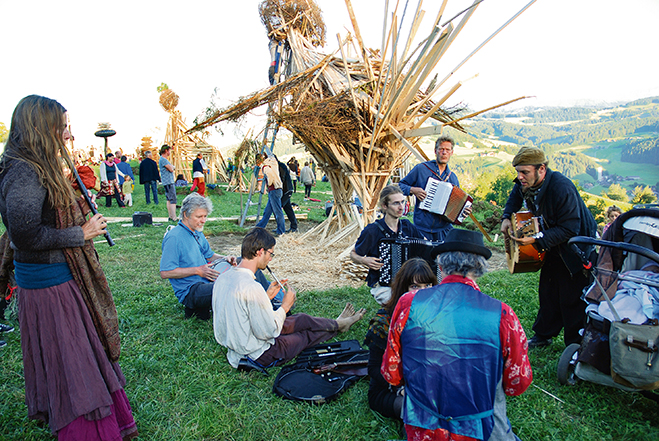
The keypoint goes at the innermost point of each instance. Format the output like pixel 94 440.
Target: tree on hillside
pixel 4 133
pixel 643 195
pixel 502 186
pixel 616 193
pixel 598 210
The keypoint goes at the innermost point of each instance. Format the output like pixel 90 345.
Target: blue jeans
pixel 151 186
pixel 274 206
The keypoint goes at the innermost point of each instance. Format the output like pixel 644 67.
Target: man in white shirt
pixel 243 318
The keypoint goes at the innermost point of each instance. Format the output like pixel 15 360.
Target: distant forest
pixel 642 152
pixel 557 129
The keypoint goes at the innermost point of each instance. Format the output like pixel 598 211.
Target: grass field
pixel 181 386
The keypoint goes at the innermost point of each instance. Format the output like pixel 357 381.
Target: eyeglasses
pixel 272 254
pixel 445 150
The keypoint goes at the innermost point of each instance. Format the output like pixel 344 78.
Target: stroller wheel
pixel 566 365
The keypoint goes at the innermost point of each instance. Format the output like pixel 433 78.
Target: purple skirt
pixel 68 376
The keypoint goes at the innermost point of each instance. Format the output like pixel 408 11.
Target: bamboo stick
pixel 471 115
pixel 487 40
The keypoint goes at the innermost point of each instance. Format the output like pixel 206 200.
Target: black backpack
pixel 285 176
pixel 321 373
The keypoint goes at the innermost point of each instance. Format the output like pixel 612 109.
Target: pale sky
pixel 104 60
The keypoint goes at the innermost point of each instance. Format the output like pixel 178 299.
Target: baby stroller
pixel 620 344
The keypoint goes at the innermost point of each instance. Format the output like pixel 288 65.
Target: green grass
pixel 608 154
pixel 181 386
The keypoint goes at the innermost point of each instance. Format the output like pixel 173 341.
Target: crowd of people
pixel 443 354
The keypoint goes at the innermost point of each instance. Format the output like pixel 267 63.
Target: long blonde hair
pixel 35 137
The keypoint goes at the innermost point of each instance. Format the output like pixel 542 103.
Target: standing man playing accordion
pixel 367 248
pixel 432 225
pixel 553 197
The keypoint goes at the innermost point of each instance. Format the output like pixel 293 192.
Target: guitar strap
pixel 435 173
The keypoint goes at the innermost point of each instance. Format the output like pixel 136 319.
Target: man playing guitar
pixel 552 196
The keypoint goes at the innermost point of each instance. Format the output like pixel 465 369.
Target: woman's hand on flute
pixel 95 226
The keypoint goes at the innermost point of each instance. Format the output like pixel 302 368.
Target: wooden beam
pixel 419 154
pixel 423 131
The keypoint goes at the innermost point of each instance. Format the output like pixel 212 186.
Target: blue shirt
pixel 166 177
pixel 124 167
pixel 431 224
pixel 184 248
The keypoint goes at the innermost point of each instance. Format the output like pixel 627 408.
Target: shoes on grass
pixel 3 343
pixel 539 342
pixel 6 328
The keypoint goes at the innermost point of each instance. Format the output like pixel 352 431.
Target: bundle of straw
pixel 278 16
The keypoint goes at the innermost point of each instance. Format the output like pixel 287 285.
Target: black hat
pixel 463 240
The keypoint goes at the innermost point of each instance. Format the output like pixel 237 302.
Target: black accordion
pixel 395 251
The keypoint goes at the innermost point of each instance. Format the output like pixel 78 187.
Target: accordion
pixel 446 200
pixel 395 251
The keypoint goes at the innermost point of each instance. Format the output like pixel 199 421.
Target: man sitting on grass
pixel 244 321
pixel 187 258
pixel 190 264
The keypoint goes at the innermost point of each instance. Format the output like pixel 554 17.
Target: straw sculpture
pixel 247 149
pixel 360 116
pixel 186 146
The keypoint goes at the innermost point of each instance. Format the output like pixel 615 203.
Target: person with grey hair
pixel 431 224
pixel 458 351
pixel 190 264
pixel 187 259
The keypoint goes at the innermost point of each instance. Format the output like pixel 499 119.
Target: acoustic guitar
pixel 524 258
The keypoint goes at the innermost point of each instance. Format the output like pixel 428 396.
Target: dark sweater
pixel 148 171
pixel 564 214
pixel 29 218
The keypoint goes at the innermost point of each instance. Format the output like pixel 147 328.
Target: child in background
pixel 612 214
pixel 127 187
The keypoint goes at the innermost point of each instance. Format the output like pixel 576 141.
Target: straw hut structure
pixel 247 149
pixel 361 116
pixel 186 146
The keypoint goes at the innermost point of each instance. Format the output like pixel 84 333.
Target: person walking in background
pixel 293 166
pixel 128 191
pixel 149 177
pixel 167 179
pixel 271 173
pixel 109 182
pixel 199 169
pixel 125 168
pixel 308 179
pixel 68 320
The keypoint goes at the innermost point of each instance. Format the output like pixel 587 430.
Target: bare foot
pixel 346 322
pixel 348 311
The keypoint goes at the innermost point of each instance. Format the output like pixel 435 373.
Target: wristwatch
pixel 539 235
